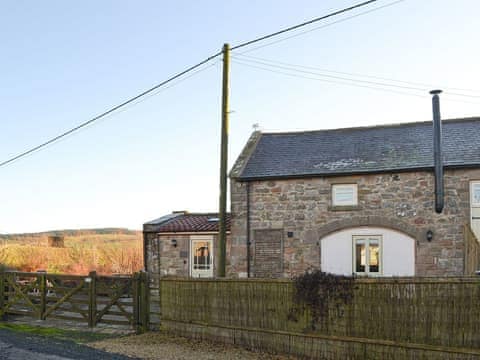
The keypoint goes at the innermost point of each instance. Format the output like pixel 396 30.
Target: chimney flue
pixel 437 151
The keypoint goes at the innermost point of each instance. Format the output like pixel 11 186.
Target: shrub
pixel 320 292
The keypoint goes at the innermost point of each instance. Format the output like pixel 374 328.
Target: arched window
pixel 371 251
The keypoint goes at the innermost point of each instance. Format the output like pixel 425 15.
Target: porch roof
pixel 186 222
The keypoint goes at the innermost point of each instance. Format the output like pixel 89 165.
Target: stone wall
pixel 174 261
pixel 151 254
pixel 403 201
pixel 167 260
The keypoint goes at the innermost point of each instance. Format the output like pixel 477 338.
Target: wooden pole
pixel 222 228
pixel 92 299
pixel 42 280
pixel 145 301
pixel 136 301
pixel 2 293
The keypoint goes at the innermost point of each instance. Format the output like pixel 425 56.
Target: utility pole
pixel 222 226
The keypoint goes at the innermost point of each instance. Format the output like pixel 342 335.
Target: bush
pixel 320 292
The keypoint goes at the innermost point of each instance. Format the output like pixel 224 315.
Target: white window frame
pixel 352 187
pixel 474 209
pixel 366 239
pixel 202 273
pixel 473 185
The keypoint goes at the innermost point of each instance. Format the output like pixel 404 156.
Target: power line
pixel 132 104
pixel 333 76
pixel 427 86
pixel 324 80
pixel 108 112
pixel 320 18
pixel 176 76
pixel 294 68
pixel 370 83
pixel 352 82
pixel 323 26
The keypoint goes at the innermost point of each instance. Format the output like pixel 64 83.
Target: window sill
pixel 367 275
pixel 344 208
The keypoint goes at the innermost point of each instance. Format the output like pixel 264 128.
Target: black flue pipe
pixel 437 151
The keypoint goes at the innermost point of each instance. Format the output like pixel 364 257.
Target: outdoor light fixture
pixel 174 242
pixel 429 235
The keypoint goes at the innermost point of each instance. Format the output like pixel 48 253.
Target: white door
pixel 475 207
pixel 201 257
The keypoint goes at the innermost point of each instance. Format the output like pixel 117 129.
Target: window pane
pixel 344 194
pixel 202 257
pixel 360 257
pixel 374 257
pixel 476 194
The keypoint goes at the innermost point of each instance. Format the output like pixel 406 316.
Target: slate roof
pixel 185 222
pixel 407 146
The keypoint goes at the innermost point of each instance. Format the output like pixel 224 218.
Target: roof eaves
pixel 350 173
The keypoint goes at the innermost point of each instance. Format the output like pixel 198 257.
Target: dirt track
pixel 160 346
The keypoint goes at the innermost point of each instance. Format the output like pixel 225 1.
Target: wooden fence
pixel 401 318
pixel 91 299
pixel 472 252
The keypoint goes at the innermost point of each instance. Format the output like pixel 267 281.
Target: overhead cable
pixel 318 27
pixel 346 81
pixel 423 85
pixel 178 75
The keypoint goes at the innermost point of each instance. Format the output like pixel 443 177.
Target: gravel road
pixel 162 346
pixel 20 346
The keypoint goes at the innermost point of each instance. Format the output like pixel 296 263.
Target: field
pixel 108 251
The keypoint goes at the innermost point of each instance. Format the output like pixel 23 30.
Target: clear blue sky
pixel 64 62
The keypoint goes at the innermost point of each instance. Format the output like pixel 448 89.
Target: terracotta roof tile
pixel 186 222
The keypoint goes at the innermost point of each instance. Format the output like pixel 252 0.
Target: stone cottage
pixel 182 244
pixel 357 200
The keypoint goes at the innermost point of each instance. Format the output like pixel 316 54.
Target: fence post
pixel 42 279
pixel 144 301
pixel 160 307
pixel 136 306
pixel 92 298
pixel 2 293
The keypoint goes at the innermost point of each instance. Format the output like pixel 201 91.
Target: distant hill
pixel 71 232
